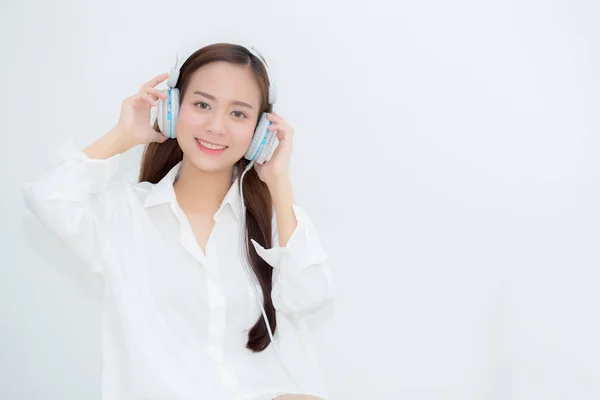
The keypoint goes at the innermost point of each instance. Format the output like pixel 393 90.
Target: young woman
pixel 180 315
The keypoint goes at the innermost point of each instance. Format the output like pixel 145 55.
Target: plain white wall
pixel 447 151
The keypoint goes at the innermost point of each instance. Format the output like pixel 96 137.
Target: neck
pixel 201 192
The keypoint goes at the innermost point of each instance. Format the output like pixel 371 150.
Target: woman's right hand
pixel 134 120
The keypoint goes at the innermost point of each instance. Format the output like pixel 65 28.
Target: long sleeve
pixel 302 280
pixel 71 200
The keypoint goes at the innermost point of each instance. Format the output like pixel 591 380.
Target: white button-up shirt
pixel 175 320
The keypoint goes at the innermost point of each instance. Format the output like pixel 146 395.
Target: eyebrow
pixel 211 97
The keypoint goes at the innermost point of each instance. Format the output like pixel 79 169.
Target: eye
pixel 239 114
pixel 201 104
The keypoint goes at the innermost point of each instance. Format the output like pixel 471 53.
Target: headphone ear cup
pixel 161 111
pixel 174 111
pixel 168 113
pixel 258 139
pixel 272 93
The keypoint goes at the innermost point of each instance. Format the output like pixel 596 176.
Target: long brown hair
pixel 159 158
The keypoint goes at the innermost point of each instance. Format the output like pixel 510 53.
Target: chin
pixel 210 163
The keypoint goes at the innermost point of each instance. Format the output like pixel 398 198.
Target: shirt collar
pixel 163 192
pixel 233 199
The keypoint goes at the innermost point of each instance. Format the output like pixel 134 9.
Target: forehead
pixel 227 82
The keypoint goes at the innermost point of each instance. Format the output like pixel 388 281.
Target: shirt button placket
pixel 216 332
pixel 216 324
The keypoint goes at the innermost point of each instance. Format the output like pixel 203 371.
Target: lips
pixel 210 145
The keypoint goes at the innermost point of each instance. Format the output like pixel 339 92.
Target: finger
pixel 278 150
pixel 274 117
pixel 148 96
pixel 151 99
pixel 156 93
pixel 144 97
pixel 282 131
pixel 156 80
pixel 280 126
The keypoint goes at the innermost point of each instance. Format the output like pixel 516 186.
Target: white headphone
pixel 264 142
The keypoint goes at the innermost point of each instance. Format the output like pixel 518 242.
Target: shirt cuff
pixel 303 249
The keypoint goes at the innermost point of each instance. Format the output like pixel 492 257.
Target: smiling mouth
pixel 211 146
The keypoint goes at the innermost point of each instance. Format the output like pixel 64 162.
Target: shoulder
pixel 125 196
pixel 138 191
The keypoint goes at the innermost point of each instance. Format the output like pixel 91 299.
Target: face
pixel 218 115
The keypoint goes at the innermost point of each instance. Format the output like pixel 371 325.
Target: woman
pixel 180 316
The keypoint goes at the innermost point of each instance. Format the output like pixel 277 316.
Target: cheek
pixel 190 119
pixel 242 134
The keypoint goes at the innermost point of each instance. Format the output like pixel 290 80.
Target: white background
pixel 447 152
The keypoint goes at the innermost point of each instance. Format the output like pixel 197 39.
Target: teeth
pixel 210 145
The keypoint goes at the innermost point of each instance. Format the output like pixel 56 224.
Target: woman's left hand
pixel 277 169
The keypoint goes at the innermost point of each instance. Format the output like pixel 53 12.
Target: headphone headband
pixel 174 74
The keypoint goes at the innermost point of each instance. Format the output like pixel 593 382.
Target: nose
pixel 216 123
